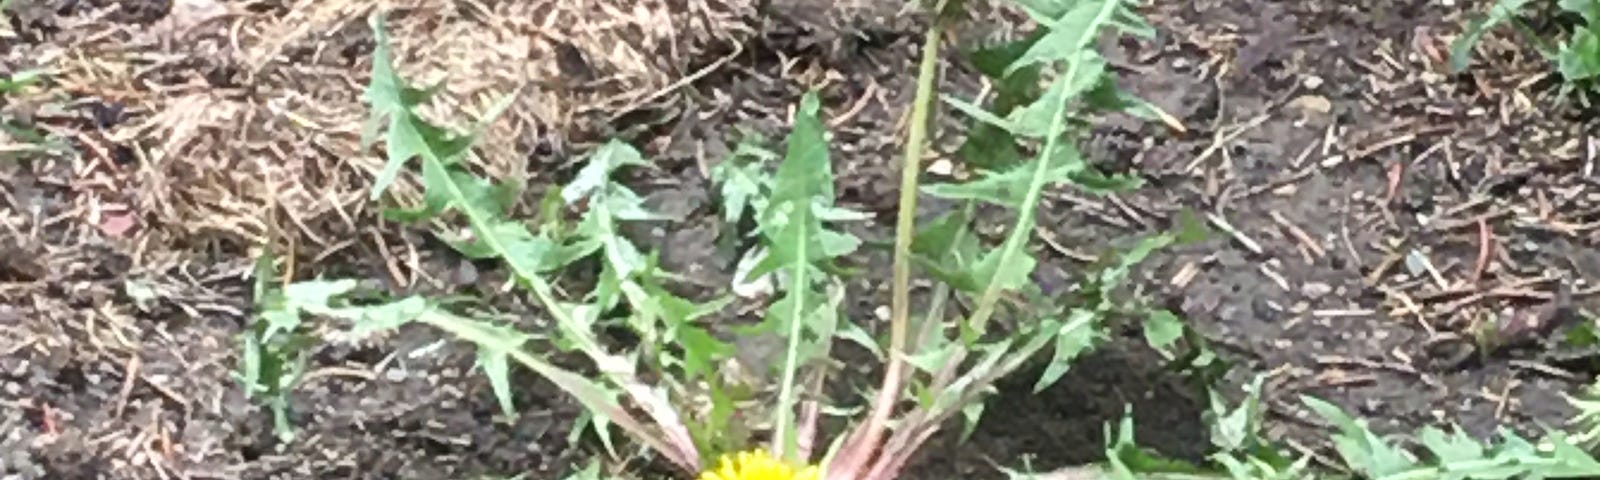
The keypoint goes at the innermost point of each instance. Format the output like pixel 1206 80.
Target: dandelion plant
pixel 667 390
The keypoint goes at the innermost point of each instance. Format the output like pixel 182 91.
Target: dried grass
pixel 247 123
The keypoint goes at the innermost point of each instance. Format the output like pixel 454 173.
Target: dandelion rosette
pixel 757 465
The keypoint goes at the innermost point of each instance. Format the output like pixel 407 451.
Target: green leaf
pixel 743 181
pixel 794 240
pixel 1068 32
pixel 701 350
pixel 990 147
pixel 1191 229
pixel 1115 274
pixel 1588 9
pixel 970 416
pixel 1072 339
pixel 1036 119
pixel 20 80
pixel 1011 275
pixel 932 359
pixel 1452 448
pixel 1162 329
pixel 595 177
pixel 854 333
pixel 496 367
pixel 1010 188
pixel 385 317
pixel 1361 449
pixel 979 113
pixel 1461 48
pixel 1130 462
pixel 1580 57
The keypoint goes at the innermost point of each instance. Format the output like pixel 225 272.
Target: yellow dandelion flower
pixel 758 465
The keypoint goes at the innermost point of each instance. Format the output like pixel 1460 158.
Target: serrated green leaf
pixel 1107 96
pixel 742 186
pixel 1580 57
pixel 701 350
pixel 854 333
pixel 1067 31
pixel 989 147
pixel 970 416
pixel 1036 119
pixel 1162 329
pixel 803 182
pixel 979 113
pixel 1588 9
pixel 1448 448
pixel 930 360
pixel 1115 274
pixel 388 316
pixel 1361 449
pixel 1073 338
pixel 409 136
pixel 595 175
pixel 1010 188
pixel 1010 275
pixel 496 366
pixel 448 186
pixel 1461 48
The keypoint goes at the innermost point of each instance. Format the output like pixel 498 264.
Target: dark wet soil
pixel 1325 134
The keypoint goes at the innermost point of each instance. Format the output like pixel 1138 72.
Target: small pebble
pixel 1315 290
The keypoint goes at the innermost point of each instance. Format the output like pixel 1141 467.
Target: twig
pixel 738 48
pixel 1485 249
pixel 1249 243
pixel 1445 226
pixel 1299 234
pixel 1222 140
pixel 1547 370
pixel 130 375
pixel 855 109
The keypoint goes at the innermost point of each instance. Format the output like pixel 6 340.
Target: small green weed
pixel 1577 58
pixel 1239 453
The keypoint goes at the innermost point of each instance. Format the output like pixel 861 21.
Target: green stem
pixel 905 229
pixel 783 444
pixel 1024 227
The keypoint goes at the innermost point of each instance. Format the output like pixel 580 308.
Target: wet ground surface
pixel 1354 185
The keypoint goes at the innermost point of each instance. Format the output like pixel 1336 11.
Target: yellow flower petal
pixel 757 465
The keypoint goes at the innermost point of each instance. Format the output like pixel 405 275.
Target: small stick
pixel 1594 151
pixel 1410 307
pixel 1397 172
pixel 1457 224
pixel 1249 243
pixel 1344 312
pixel 1383 267
pixel 130 375
pixel 1275 184
pixel 1376 147
pixel 855 109
pixel 1485 249
pixel 1547 370
pixel 1224 139
pixel 1299 234
pixel 1276 277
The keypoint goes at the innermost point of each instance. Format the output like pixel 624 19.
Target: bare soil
pixel 1327 136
